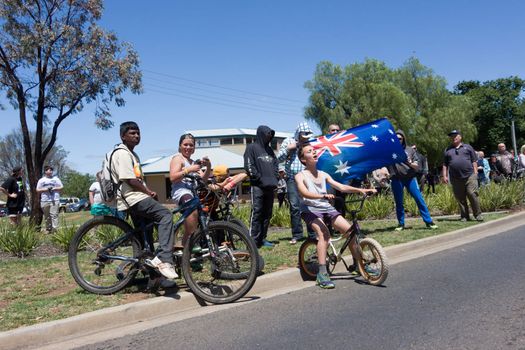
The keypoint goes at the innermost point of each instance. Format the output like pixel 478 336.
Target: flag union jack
pixel 333 143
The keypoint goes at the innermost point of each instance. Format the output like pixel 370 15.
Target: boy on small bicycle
pixel 316 209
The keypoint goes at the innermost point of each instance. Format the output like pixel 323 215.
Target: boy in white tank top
pixel 315 208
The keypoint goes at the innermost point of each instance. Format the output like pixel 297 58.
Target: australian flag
pixel 357 151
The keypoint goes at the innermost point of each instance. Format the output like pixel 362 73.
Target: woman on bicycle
pixel 181 164
pixel 316 208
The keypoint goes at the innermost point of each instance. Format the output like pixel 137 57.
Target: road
pixel 469 297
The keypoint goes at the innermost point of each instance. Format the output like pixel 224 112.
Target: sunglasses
pixel 457 151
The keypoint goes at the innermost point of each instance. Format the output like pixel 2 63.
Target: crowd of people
pixel 311 195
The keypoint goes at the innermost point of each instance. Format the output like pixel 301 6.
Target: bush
pixel 19 241
pixel 501 196
pixel 280 216
pixel 377 207
pixel 63 236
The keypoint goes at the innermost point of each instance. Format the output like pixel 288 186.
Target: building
pixel 222 146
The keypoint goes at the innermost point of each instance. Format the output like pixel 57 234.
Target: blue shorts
pixel 327 217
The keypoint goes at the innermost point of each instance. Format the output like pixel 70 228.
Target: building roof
pixel 232 132
pixel 217 156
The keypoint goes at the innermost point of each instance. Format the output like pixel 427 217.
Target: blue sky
pixel 220 64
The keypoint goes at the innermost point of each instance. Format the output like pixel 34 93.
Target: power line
pixel 220 99
pixel 218 103
pixel 225 94
pixel 220 87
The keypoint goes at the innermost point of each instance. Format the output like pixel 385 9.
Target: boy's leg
pixel 342 225
pixel 46 207
pixel 295 212
pixel 323 237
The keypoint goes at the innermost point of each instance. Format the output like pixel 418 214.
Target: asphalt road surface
pixel 469 297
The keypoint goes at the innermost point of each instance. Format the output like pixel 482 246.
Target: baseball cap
pixel 454 132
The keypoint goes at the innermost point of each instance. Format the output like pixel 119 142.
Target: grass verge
pixel 36 290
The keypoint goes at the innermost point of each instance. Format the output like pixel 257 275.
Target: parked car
pixel 82 204
pixel 67 201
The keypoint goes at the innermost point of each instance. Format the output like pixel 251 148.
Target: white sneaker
pixel 166 269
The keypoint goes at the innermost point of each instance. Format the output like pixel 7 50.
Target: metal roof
pixel 217 156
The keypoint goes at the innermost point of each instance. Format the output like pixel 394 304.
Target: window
pixel 238 140
pixel 226 141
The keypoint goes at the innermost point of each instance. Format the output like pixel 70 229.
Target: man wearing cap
pixel 288 153
pixel 460 166
pixel 13 188
pixel 49 188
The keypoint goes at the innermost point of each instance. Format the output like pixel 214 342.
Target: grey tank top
pixel 315 205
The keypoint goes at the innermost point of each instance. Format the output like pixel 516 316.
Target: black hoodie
pixel 260 161
pixel 404 171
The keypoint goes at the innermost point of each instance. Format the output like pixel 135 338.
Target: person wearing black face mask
pixel 262 167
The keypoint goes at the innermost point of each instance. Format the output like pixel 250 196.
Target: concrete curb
pixel 275 283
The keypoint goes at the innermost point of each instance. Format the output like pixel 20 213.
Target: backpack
pixel 108 186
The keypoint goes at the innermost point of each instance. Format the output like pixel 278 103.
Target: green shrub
pixel 280 216
pixel 377 207
pixel 444 201
pixel 19 241
pixel 63 236
pixel 501 196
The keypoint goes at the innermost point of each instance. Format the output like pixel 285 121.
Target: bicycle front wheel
pixel 226 273
pixel 101 257
pixel 373 264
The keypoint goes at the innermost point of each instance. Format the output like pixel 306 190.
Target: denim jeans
pixel 295 211
pixel 413 188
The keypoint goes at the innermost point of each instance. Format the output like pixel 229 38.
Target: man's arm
pixel 348 189
pixel 283 150
pixel 444 173
pixel 249 164
pixel 137 185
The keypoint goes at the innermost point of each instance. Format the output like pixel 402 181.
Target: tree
pixel 76 184
pixel 497 101
pixel 436 110
pixel 12 153
pixel 412 97
pixel 54 59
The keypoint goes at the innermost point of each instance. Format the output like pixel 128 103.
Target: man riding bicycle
pixel 135 197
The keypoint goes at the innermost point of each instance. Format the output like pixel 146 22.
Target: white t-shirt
pixel 45 183
pixel 95 188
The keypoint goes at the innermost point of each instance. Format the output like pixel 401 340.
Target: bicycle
pixel 372 265
pixel 220 206
pixel 218 262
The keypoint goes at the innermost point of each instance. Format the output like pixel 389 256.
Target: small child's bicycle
pixel 372 264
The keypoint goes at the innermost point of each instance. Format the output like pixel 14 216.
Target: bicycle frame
pixel 355 230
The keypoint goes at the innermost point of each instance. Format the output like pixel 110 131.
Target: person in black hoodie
pixel 404 175
pixel 261 164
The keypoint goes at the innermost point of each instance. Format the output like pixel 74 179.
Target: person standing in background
pixel 13 188
pixel 461 163
pixel 49 188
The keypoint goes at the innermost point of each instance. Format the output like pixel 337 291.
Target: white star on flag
pixel 390 131
pixel 394 156
pixel 392 140
pixel 375 126
pixel 342 168
pixel 374 138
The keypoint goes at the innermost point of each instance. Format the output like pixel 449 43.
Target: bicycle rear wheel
pixel 373 264
pixel 308 259
pixel 101 258
pixel 245 229
pixel 230 274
